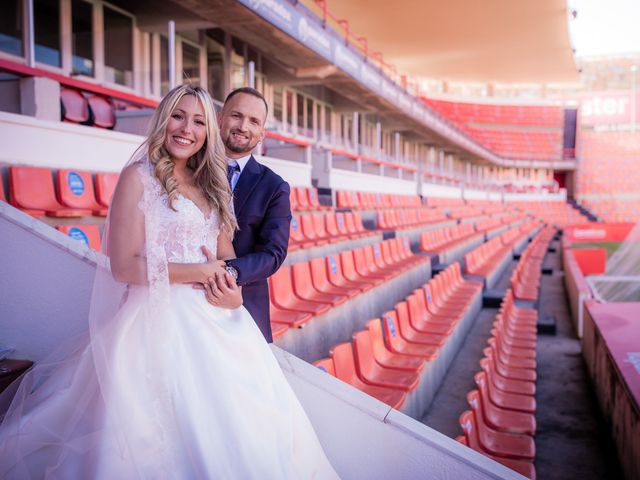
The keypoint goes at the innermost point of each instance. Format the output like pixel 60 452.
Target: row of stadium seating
pixel 309 289
pixel 372 201
pixel 525 279
pixel 32 191
pixel 387 366
pixel 461 112
pixel 501 423
pixel 614 209
pixel 554 213
pixel 86 108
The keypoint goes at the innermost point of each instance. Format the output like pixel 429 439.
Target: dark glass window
pixel 118 47
pixel 82 37
pixel 46 21
pixel 190 64
pixel 11 27
pixel 164 65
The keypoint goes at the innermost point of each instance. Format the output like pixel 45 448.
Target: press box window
pixel 118 47
pixel 82 38
pixel 11 27
pixel 46 21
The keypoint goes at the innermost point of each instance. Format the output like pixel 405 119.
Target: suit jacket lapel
pixel 246 183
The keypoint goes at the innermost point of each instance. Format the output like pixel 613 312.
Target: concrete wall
pixel 45 288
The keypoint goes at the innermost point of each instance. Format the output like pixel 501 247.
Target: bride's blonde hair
pixel 209 163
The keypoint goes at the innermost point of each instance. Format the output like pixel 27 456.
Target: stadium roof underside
pixel 287 61
pixel 501 41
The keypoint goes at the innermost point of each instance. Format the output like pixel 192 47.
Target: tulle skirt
pixel 191 392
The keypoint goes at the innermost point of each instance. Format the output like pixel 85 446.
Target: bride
pixel 164 385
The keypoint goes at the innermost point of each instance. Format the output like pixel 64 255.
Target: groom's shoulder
pixel 272 177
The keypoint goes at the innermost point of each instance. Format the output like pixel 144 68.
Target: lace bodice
pixel 184 230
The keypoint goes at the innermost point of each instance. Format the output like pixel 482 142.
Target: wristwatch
pixel 231 271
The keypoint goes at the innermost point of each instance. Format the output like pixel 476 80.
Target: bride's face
pixel 186 129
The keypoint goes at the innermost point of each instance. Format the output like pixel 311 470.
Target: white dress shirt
pixel 241 162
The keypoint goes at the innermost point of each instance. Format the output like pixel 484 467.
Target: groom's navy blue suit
pixel 261 201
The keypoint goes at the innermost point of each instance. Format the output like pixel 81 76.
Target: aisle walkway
pixel 571 441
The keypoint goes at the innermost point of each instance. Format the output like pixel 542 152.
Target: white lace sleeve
pixel 157 265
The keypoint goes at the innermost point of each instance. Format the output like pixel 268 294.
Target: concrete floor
pixel 571 440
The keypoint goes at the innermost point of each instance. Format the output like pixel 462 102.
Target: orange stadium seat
pixel 501 419
pixel 351 273
pixel 3 197
pixel 321 283
pixel 506 384
pixel 32 192
pixel 288 318
pixel 345 368
pixel 337 278
pixel 282 296
pixel 88 234
pixel 472 436
pixel 326 365
pixel 75 190
pixel 372 373
pixel 105 186
pixel 394 341
pixel 304 289
pixel 386 358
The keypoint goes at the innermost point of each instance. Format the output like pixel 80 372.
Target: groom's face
pixel 242 124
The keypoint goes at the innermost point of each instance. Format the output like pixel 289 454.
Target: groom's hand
pixel 222 291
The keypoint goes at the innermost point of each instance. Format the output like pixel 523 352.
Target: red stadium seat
pixel 75 107
pixel 309 231
pixel 105 186
pixel 506 400
pixel 87 234
pixel 326 365
pixel 3 197
pixel 387 358
pixel 282 296
pixel 278 329
pixel 293 200
pixel 372 373
pixel 102 111
pixel 321 282
pixel 304 289
pixel 75 190
pixel 511 385
pixel 337 278
pixel 288 318
pixel 501 419
pixel 350 273
pixel 500 444
pixel 332 228
pixel 397 344
pixel 32 192
pixel 470 428
pixel 345 368
pixel 412 335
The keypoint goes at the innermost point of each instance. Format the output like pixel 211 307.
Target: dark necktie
pixel 231 169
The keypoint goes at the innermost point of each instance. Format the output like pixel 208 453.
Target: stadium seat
pixel 75 190
pixel 386 358
pixel 314 202
pixel 309 231
pixel 297 238
pixel 511 385
pixel 304 289
pixel 336 276
pixel 501 419
pixel 32 192
pixel 282 296
pixel 423 321
pixel 470 429
pixel 3 197
pixel 345 368
pixel 75 107
pixel 105 186
pixel 501 444
pixel 433 334
pixel 320 280
pixel 288 318
pixel 398 344
pixel 332 229
pixel 278 329
pixel 509 371
pixel 506 400
pixel 102 111
pixel 326 365
pixel 372 373
pixel 88 234
pixel 302 198
pixel 350 273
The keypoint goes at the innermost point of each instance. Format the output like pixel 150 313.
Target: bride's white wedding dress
pixel 176 390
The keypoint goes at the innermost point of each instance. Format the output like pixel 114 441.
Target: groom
pixel 261 201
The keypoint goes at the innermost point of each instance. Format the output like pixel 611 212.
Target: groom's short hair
pixel 248 91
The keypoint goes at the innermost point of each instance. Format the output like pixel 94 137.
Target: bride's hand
pixel 212 267
pixel 223 291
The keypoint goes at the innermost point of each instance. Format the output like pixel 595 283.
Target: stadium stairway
pixel 584 210
pixel 363 437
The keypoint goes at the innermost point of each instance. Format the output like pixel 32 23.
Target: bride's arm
pixel 222 290
pixel 126 239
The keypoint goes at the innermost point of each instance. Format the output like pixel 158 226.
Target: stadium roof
pixel 498 41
